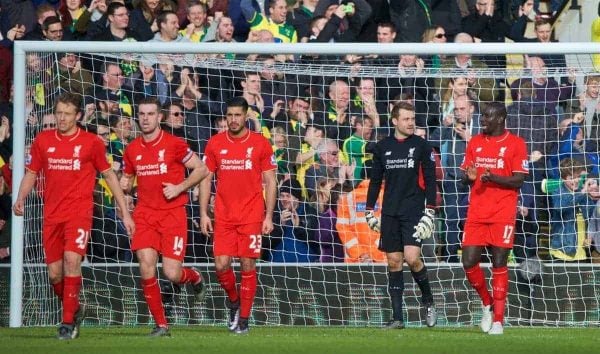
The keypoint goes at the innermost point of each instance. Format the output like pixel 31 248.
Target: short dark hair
pixel 399 106
pixel 541 22
pixel 389 25
pixel 272 3
pixel 238 101
pixel 316 126
pixel 110 10
pixel 361 120
pixel 162 17
pixel 495 109
pixel 70 98
pixel 114 119
pixel 150 100
pixel 50 21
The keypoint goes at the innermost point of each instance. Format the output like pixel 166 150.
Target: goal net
pixel 328 270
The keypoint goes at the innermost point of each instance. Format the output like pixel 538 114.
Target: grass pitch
pixel 312 340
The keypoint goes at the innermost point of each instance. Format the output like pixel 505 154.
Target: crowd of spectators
pixel 322 126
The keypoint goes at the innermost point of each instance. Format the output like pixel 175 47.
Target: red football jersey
pixel 503 155
pixel 69 165
pixel 238 165
pixel 155 162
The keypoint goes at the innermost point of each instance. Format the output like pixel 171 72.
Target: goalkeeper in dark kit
pixel 405 162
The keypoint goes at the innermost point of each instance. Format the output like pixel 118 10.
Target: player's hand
pixel 372 220
pixel 128 223
pixel 19 207
pixel 472 173
pixel 171 190
pixel 486 176
pixel 206 225
pixel 426 225
pixel 267 226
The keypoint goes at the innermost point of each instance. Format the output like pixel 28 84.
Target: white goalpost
pixel 543 289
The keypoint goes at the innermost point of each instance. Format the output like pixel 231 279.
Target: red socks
pixel 71 288
pixel 188 275
pixel 247 289
pixel 154 301
pixel 247 292
pixel 58 289
pixel 477 280
pixel 499 290
pixel 227 280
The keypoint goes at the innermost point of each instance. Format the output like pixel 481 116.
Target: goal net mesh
pixel 332 274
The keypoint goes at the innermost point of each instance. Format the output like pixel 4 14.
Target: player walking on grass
pixel 69 158
pixel 159 160
pixel 495 166
pixel 242 162
pixel 406 163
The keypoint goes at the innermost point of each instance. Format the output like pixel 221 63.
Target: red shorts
pixel 496 234
pixel 162 230
pixel 238 240
pixel 71 235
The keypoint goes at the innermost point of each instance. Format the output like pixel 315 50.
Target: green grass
pixel 313 340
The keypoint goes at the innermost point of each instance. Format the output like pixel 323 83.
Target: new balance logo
pixel 51 149
pixel 138 158
pixel 223 152
pixel 388 153
pixel 478 149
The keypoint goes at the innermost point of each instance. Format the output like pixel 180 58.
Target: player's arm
pixel 126 182
pixel 376 179
pixel 198 172
pixel 270 181
pixel 515 181
pixel 205 222
pixel 520 168
pixel 428 166
pixel 113 183
pixel 27 184
pixel 374 188
pixel 467 168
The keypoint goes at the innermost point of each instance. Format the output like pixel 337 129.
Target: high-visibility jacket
pixel 353 230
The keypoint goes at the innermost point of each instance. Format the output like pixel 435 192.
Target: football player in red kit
pixel 241 161
pixel 158 161
pixel 69 158
pixel 495 166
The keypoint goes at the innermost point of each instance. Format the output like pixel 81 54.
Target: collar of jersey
pixel 497 139
pixel 240 139
pixel 155 141
pixel 61 137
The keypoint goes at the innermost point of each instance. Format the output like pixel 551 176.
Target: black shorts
pixel 397 233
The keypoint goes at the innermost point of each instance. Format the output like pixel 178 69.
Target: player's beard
pixel 235 130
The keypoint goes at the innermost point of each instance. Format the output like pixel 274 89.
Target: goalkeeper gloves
pixel 426 225
pixel 372 220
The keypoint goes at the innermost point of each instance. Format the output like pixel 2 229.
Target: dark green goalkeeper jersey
pixel 408 168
